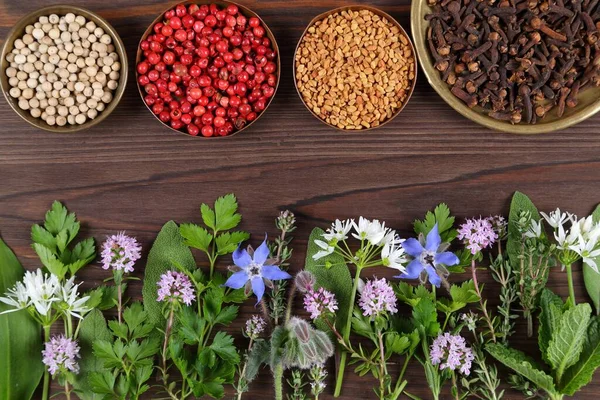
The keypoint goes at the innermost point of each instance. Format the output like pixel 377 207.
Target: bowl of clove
pixel 520 66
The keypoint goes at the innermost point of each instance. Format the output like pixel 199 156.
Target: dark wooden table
pixel 130 173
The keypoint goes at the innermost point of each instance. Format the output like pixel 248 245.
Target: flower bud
pixel 305 281
pixel 300 328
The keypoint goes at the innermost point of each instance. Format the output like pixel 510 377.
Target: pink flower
pixel 377 297
pixel 175 286
pixel 477 234
pixel 316 302
pixel 255 326
pixel 120 252
pixel 60 354
pixel 451 352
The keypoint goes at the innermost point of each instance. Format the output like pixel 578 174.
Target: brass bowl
pixel 588 100
pixel 382 14
pixel 19 30
pixel 248 13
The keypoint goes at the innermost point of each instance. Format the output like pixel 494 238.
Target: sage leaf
pixel 551 307
pixel 168 248
pixel 332 274
pixel 520 202
pixel 21 365
pixel 591 277
pixel 93 328
pixel 581 373
pixel 523 365
pixel 568 337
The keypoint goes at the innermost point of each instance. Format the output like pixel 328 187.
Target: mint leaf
pixel 581 373
pixel 195 236
pixel 523 365
pixel 551 307
pixel 568 337
pixel 223 346
pixel 591 278
pixel 226 216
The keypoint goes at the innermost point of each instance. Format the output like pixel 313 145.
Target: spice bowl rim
pixel 419 28
pixel 381 13
pixel 61 9
pixel 244 10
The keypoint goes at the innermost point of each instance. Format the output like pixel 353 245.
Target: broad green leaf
pixel 332 274
pixel 591 277
pixel 396 343
pixel 441 216
pixel 460 297
pixel 21 365
pixel 568 337
pixel 103 382
pixel 225 212
pixel 227 315
pixel 223 346
pixel 93 328
pixel 58 219
pixel 520 202
pixel 167 249
pixel 581 373
pixel 523 365
pixel 551 307
pixel 195 236
pixel 425 317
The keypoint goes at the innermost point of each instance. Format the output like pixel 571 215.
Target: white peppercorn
pixel 80 119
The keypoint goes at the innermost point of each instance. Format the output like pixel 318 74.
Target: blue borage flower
pixel 430 258
pixel 254 269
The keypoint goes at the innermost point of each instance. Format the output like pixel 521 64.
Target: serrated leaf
pixel 167 249
pixel 410 294
pixel 223 346
pixel 440 215
pixel 581 373
pixel 92 328
pixel 567 338
pixel 229 241
pixel 425 317
pixel 227 315
pixel 523 365
pixel 226 216
pixel 20 338
pixel 103 382
pixel 103 349
pixel 50 261
pixel 336 279
pixel 591 277
pixel 551 307
pixel 195 236
pixel 84 251
pixel 58 219
pixel 396 343
pixel 43 237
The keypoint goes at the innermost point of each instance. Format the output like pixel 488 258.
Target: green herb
pixel 20 338
pixel 52 243
pixel 285 223
pixel 216 240
pixel 297 384
pixel 92 328
pixel 168 249
pixel 591 278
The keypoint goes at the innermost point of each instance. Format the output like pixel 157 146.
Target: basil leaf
pixel 21 365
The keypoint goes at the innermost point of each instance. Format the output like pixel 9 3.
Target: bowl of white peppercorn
pixel 63 68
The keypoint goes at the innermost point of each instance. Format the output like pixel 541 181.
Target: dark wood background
pixel 130 173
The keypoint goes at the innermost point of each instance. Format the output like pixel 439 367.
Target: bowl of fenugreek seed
pixel 521 67
pixel 355 68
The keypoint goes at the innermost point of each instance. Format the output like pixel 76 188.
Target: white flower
pixel 394 257
pixel 72 304
pixel 339 230
pixel 16 297
pixel 373 231
pixel 42 289
pixel 565 238
pixel 588 228
pixel 391 238
pixel 327 249
pixel 535 229
pixel 558 218
pixel 586 249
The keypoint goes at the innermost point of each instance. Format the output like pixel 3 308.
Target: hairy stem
pixel 278 377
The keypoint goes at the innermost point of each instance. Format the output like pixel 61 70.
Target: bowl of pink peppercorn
pixel 208 68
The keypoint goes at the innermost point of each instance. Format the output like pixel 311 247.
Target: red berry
pixel 254 22
pixel 193 130
pixel 219 122
pixel 207 131
pixel 210 21
pixel 232 9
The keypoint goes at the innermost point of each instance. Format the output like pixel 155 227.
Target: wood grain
pixel 130 173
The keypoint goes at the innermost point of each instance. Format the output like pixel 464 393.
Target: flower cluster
pixel 255 326
pixel 478 234
pixel 377 297
pixel 120 252
pixel 500 225
pixel 175 287
pixel 451 352
pixel 429 258
pixel 43 292
pixel 579 236
pixel 319 301
pixel 60 354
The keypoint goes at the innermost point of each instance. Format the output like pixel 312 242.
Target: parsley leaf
pixel 440 215
pixel 226 216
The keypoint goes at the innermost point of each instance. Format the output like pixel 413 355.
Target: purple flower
pixel 377 297
pixel 477 234
pixel 175 287
pixel 430 258
pixel 318 301
pixel 120 252
pixel 451 352
pixel 254 270
pixel 255 326
pixel 60 354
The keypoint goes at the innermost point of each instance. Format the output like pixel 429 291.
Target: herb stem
pixel 481 302
pixel 166 342
pixel 382 366
pixel 570 282
pixel 278 377
pixel 46 388
pixel 346 335
pixel 119 302
pixel 67 390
